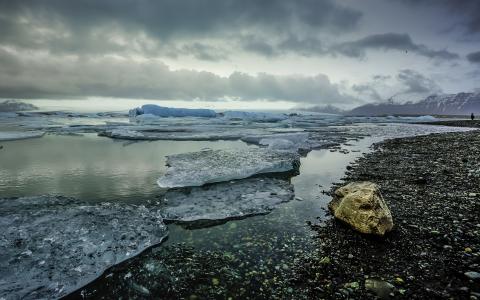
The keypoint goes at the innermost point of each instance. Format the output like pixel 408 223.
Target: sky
pixel 267 54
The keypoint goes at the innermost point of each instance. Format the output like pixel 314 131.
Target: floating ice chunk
pixel 254 116
pixel 209 166
pixel 51 246
pixel 19 135
pixel 121 133
pixel 294 137
pixel 165 134
pixel 281 141
pixel 227 200
pixel 279 144
pixel 161 111
pixel 426 118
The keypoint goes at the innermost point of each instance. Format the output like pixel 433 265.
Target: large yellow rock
pixel 361 205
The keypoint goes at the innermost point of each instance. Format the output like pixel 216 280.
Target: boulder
pixel 361 205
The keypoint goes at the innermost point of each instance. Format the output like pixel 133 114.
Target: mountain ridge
pixel 444 104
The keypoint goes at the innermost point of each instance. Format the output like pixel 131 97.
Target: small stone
pixel 141 289
pixel 325 260
pixel 468 250
pixel 215 281
pixel 472 275
pixel 350 256
pixel 472 195
pixel 353 285
pixel 381 288
pixel 447 247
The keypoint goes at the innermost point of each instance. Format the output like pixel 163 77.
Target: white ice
pixel 19 135
pixel 209 166
pixel 254 116
pixel 161 111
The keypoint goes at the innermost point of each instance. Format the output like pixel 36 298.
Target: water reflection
pixel 88 167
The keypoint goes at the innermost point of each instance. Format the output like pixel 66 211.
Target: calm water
pixel 89 167
pixel 97 169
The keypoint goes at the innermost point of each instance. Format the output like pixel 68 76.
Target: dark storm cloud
pixel 258 46
pixel 468 11
pixel 204 52
pixel 474 57
pixel 416 83
pixel 368 91
pixel 312 46
pixel 25 77
pixel 74 25
pixel 307 46
pixel 389 41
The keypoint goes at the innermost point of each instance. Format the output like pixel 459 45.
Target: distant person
pixel 472 116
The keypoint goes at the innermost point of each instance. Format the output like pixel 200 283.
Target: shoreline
pixel 455 123
pixel 432 187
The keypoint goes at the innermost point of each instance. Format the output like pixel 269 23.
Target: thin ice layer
pixel 51 246
pixel 227 200
pixel 209 166
pixel 19 135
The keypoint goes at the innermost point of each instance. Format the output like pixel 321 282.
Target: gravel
pixel 432 186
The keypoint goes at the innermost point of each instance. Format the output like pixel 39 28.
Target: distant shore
pixel 432 186
pixel 456 123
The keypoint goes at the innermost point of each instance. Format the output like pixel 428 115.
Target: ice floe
pixel 19 135
pixel 174 135
pixel 254 116
pixel 209 166
pixel 51 246
pixel 226 200
pixel 161 111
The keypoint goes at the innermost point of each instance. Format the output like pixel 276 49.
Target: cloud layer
pixel 64 77
pixel 121 48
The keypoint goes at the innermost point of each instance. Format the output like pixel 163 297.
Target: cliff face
pixel 452 104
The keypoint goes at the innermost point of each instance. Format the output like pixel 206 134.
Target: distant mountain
pixel 326 109
pixel 451 104
pixel 12 106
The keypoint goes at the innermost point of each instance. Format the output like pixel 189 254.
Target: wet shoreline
pixel 432 186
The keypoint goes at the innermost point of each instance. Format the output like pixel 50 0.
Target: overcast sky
pixel 266 53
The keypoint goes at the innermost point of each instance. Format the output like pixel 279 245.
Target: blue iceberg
pixel 162 111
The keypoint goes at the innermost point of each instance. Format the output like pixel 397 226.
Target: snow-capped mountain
pixel 450 104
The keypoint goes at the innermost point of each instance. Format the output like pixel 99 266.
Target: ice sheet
pixel 50 245
pixel 254 116
pixel 209 166
pixel 227 200
pixel 19 135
